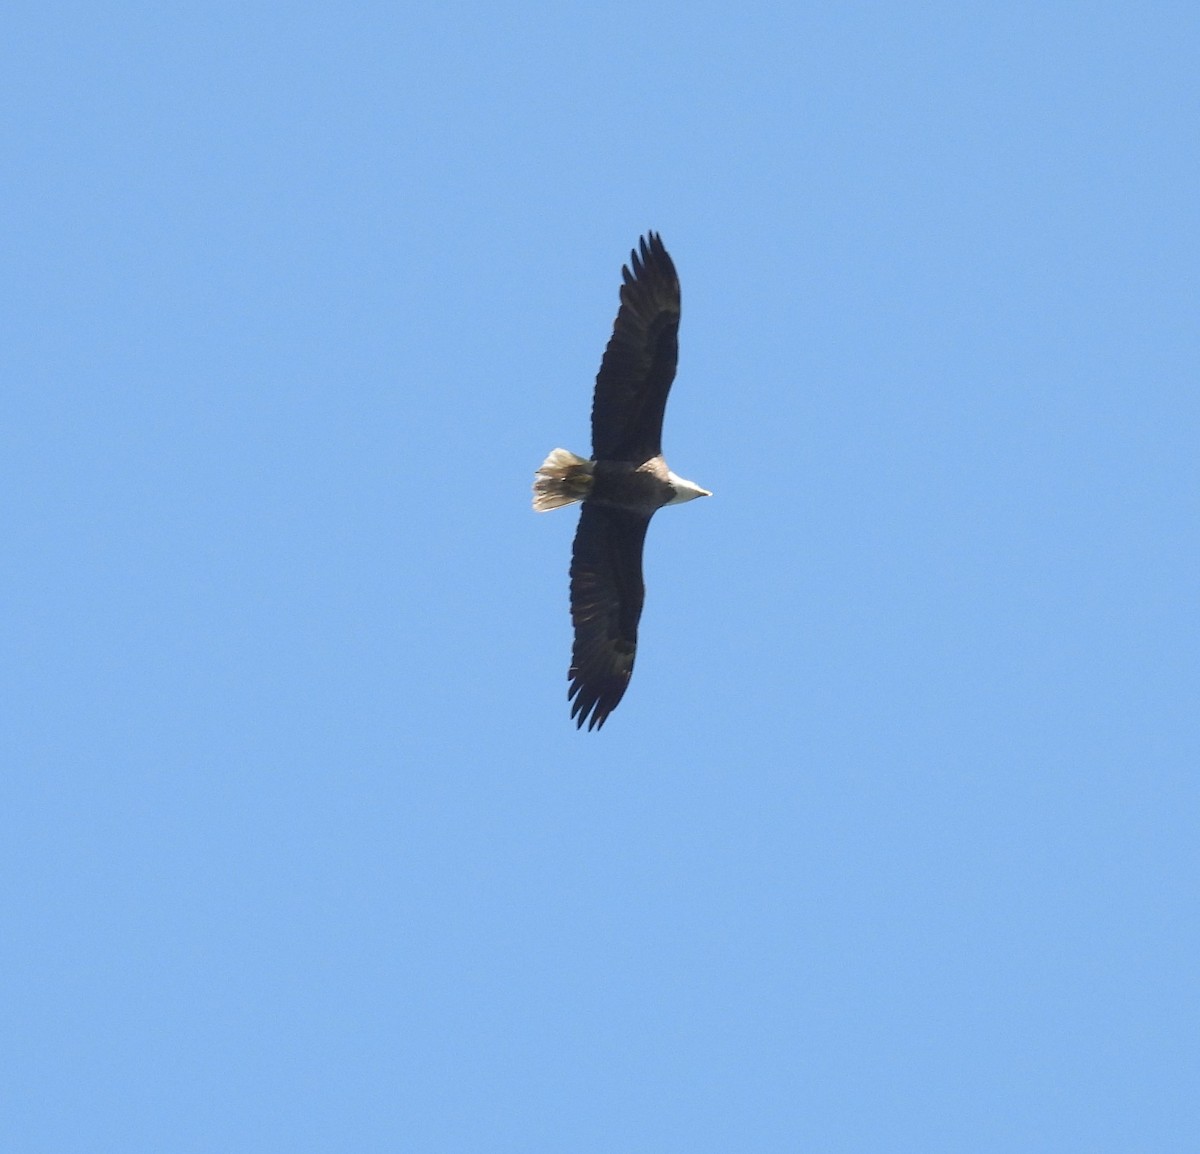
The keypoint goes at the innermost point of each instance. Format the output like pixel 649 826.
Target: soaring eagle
pixel 623 485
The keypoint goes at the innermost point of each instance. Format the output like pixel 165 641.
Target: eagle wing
pixel 606 604
pixel 639 364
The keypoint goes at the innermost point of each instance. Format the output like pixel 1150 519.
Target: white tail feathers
pixel 563 479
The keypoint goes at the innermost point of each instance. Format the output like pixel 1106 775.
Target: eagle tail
pixel 563 479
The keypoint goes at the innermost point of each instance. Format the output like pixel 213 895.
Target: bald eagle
pixel 623 484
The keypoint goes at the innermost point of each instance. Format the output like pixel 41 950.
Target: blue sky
pixel 892 844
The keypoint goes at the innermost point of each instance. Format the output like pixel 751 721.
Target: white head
pixel 684 490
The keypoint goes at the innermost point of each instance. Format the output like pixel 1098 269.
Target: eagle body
pixel 622 485
pixel 642 489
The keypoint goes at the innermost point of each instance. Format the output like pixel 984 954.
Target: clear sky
pixel 894 843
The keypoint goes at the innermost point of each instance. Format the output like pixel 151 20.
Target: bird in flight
pixel 623 484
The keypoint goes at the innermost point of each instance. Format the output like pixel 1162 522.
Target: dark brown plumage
pixel 639 363
pixel 607 594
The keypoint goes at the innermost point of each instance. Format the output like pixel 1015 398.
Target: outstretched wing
pixel 639 364
pixel 606 604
